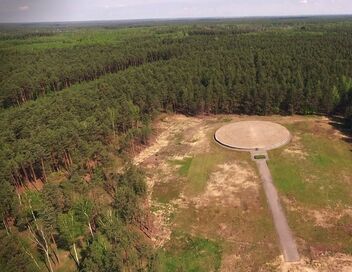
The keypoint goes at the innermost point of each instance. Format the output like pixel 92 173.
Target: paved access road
pixel 287 242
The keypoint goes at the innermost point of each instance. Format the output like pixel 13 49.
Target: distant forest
pixel 77 101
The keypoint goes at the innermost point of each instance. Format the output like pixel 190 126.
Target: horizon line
pixel 180 18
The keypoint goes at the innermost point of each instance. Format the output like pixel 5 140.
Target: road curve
pixel 287 242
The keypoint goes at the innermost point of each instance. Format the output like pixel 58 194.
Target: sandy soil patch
pixel 161 211
pixel 198 140
pixel 327 217
pixel 169 127
pixel 328 263
pixel 229 262
pixel 225 184
pixel 161 223
pixel 295 148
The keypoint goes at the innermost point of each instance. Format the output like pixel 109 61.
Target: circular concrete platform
pixel 253 135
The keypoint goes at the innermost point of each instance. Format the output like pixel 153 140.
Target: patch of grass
pixel 188 253
pixel 200 169
pixel 319 179
pixel 325 152
pixel 336 238
pixel 57 177
pixel 299 127
pixel 197 170
pixel 184 165
pixel 166 192
pixel 288 180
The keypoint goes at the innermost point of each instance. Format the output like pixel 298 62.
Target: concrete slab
pixel 253 135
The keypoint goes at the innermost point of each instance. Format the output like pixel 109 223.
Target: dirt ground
pixel 230 208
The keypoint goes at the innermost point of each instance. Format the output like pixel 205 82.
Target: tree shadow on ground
pixel 340 124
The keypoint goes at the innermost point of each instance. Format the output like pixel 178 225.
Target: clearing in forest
pixel 210 209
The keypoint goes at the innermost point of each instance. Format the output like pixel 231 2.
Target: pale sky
pixel 83 10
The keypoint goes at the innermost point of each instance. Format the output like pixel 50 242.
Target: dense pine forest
pixel 77 100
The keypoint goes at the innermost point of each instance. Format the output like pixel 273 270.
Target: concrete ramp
pixel 287 242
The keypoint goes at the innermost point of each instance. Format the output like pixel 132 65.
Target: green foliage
pixel 32 205
pixel 13 256
pixel 134 179
pixel 96 254
pixel 117 248
pixel 126 203
pixel 70 227
pixel 336 97
pixel 8 203
pixel 84 209
pixel 55 196
pixel 346 99
pixel 144 134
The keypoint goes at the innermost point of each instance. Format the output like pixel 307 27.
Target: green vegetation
pixel 335 238
pixel 194 173
pixel 317 184
pixel 318 179
pixel 197 169
pixel 187 253
pixel 165 192
pixel 184 165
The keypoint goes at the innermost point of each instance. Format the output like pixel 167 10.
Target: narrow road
pixel 287 242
